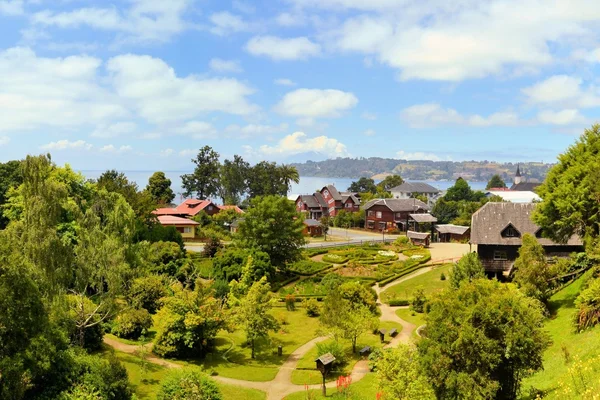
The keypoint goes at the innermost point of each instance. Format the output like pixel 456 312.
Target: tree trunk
pixel 354 345
pixel 253 349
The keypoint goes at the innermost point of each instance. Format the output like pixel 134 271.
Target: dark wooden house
pixel 327 202
pixel 388 214
pixel 498 228
pixel 452 233
pixel 422 239
pixel 312 228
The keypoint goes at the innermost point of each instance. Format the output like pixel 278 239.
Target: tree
pixel 116 182
pixel 146 292
pixel 204 181
pixel 159 188
pixel 467 269
pixel 460 191
pixel 399 375
pixel 187 322
pixel 325 221
pixel 188 384
pixel 273 226
pixel 251 312
pixel 495 182
pixel 482 339
pixel 532 273
pixel 363 185
pixel 264 179
pixel 390 182
pixel 229 264
pixel 10 178
pixel 445 211
pixel 234 180
pixel 287 175
pixel 570 193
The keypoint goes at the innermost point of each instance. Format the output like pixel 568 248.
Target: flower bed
pixel 309 267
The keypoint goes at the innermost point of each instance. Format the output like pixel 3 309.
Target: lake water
pixel 307 184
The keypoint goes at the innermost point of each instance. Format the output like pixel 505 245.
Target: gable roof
pixel 417 235
pixel 351 196
pixel 166 211
pixel 309 200
pixel 311 222
pixel 422 218
pixel 525 186
pixel 192 207
pixel 169 220
pixel 515 197
pixel 326 358
pixel 320 199
pixel 452 229
pixel 334 192
pixel 490 220
pixel 398 205
pixel 415 187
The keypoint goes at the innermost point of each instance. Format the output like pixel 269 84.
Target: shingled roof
pixel 398 205
pixel 334 192
pixel 310 200
pixel 525 186
pixel 417 235
pixel 415 187
pixel 490 220
pixel 452 229
pixel 422 218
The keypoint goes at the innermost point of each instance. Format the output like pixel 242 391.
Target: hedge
pixel 398 303
pixel 278 285
pixel 309 267
pixel 342 260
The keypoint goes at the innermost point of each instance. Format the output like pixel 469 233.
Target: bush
pixel 290 302
pixel 335 258
pixel 131 324
pixel 145 292
pixel 212 247
pixel 442 277
pixel 312 307
pixel 418 302
pixel 402 241
pixel 588 307
pixel 308 267
pixel 398 303
pixel 335 348
pixel 68 315
pixel 188 384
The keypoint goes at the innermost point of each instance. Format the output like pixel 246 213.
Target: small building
pixel 327 202
pixel 190 208
pixel 453 233
pixel 409 190
pixel 310 205
pixel 185 226
pixel 422 239
pixel 388 214
pixel 235 225
pixel 520 184
pixel 419 220
pixel 498 228
pixel 312 228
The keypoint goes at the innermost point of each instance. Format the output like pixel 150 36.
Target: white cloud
pixel 243 7
pixel 144 21
pixel 563 90
pixel 369 116
pixel 4 140
pixel 418 155
pixel 298 143
pixel 11 7
pixel 160 96
pixel 188 152
pixel 432 114
pixel 225 23
pixel 284 82
pixel 197 130
pixel 369 132
pixel 276 48
pixel 563 117
pixel 167 152
pixel 220 65
pixel 114 130
pixel 256 130
pixel 67 145
pixel 115 150
pixel 316 103
pixel 287 19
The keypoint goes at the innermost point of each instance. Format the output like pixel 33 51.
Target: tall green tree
pixel 10 178
pixel 273 226
pixel 363 185
pixel 467 269
pixel 495 182
pixel 264 179
pixel 390 182
pixel 482 340
pixel 234 180
pixel 204 181
pixel 532 272
pixel 571 192
pixel 117 182
pixel 287 175
pixel 399 375
pixel 459 191
pixel 159 188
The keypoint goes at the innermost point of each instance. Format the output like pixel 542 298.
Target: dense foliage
pixel 467 269
pixel 532 273
pixel 188 384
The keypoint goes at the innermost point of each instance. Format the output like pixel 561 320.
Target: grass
pixel 146 386
pixel 417 319
pixel 308 267
pixel 366 388
pixel 583 346
pixel 430 282
pixel 306 373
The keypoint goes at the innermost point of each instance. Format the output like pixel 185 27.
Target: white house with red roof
pixel 185 226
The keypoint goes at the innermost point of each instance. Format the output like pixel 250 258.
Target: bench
pixel 393 332
pixel 365 350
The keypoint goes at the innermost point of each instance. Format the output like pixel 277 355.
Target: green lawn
pixel 416 319
pixel 306 372
pixel 583 346
pixel 366 388
pixel 430 282
pixel 147 386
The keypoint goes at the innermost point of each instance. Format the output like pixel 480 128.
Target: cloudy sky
pixel 142 84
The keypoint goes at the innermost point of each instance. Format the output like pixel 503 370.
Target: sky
pixel 143 84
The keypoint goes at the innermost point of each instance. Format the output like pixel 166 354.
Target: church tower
pixel 518 179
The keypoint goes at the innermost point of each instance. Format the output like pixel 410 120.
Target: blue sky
pixel 142 84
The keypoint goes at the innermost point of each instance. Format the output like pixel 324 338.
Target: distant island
pixel 378 168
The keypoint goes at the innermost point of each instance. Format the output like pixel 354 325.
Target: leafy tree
pixel 229 264
pixel 269 179
pixel 418 302
pixel 116 182
pixel 159 188
pixel 570 193
pixel 188 384
pixel 287 175
pixel 10 178
pixel 482 339
pixel 363 185
pixel 204 181
pixel 390 182
pixel 165 258
pixel 225 218
pixel 325 221
pixel 234 177
pixel 212 247
pixel 445 211
pixel 251 313
pixel 588 307
pixel 132 323
pixel 495 182
pixel 359 294
pixel 273 226
pixel 460 191
pixel 532 273
pixel 467 269
pixel 187 322
pixel 343 219
pixel 146 292
pixel 399 375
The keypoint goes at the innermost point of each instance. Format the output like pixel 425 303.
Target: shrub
pixel 165 258
pixel 131 324
pixel 418 302
pixel 398 303
pixel 335 348
pixel 312 307
pixel 290 302
pixel 401 241
pixel 188 384
pixel 212 247
pixel 145 292
pixel 442 277
pixel 68 315
pixel 588 307
pixel 335 258
pixel 95 374
pixel 308 267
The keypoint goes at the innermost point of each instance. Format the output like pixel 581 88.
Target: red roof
pixel 166 211
pixel 173 220
pixel 235 208
pixel 192 207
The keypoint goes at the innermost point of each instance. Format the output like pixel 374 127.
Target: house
pixel 185 226
pixel 422 239
pixel 310 205
pixel 190 208
pixel 389 214
pixel 514 196
pixel 327 202
pixel 452 233
pixel 521 185
pixel 312 228
pixel 235 225
pixel 415 221
pixel 497 230
pixel 409 190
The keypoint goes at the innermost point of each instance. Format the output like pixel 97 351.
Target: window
pixel 378 214
pixel 382 225
pixel 500 255
pixel 187 229
pixel 326 193
pixel 210 208
pixel 371 224
pixel 510 232
pixel 348 205
pixel 370 214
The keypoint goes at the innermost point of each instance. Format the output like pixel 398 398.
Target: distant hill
pixel 420 169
